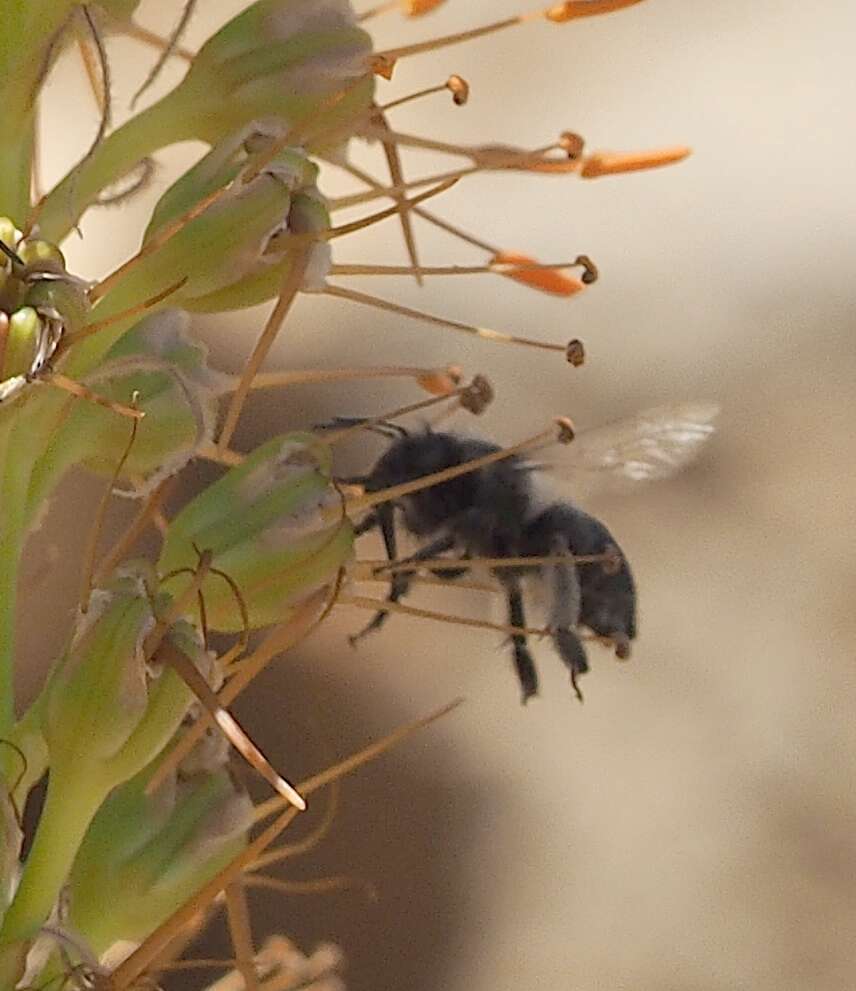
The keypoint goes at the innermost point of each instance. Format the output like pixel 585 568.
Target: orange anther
pixel 612 163
pixel 548 280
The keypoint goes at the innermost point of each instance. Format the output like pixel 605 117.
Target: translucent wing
pixel 648 447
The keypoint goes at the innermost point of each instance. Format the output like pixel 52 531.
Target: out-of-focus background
pixel 691 827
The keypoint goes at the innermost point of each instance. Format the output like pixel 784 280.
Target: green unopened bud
pixel 222 244
pixel 160 367
pixel 107 709
pixel 154 849
pixel 267 526
pixel 305 213
pixel 39 302
pixel 298 65
pixel 107 712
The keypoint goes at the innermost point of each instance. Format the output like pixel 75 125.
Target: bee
pixel 498 512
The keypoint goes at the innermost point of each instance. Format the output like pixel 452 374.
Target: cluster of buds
pixel 144 812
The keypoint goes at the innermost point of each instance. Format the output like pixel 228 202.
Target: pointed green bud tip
pixel 158 363
pixel 274 528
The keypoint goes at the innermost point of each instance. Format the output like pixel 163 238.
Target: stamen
pixel 384 605
pixel 495 563
pixel 170 654
pixel 228 458
pixel 289 289
pixel 241 933
pixel 456 85
pixel 405 311
pixel 410 8
pixel 156 942
pixel 287 850
pixel 612 163
pixel 320 886
pixel 136 964
pixel 383 63
pixel 379 191
pixel 437 581
pixel 154 243
pixel 82 392
pixel 396 174
pixel 381 8
pixel 438 381
pixel 278 640
pixel 562 432
pixel 545 276
pixel 375 218
pixel 93 328
pixel 477 395
pixel 357 760
pixel 98 523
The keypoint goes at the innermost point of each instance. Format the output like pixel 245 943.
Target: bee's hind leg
pixel 564 616
pixel 400 581
pixel 523 663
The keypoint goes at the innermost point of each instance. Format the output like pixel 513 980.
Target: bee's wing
pixel 650 446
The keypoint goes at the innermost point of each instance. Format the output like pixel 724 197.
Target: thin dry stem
pixel 240 930
pixel 289 289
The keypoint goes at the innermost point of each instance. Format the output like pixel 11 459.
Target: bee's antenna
pixel 475 397
pixel 342 426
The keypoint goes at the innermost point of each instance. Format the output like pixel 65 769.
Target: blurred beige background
pixel 691 828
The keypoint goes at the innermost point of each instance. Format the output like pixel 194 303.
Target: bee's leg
pixel 523 663
pixel 452 572
pixel 399 580
pixel 564 616
pixel 366 524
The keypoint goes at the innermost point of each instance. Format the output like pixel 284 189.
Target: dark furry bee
pixel 496 511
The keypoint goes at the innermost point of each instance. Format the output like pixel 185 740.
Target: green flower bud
pixel 306 213
pixel 223 244
pixel 106 713
pixel 176 390
pixel 267 525
pixel 39 302
pixel 297 65
pixel 105 706
pixel 153 850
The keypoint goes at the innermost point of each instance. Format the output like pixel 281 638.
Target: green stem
pixel 74 796
pixel 14 483
pixel 27 31
pixel 112 159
